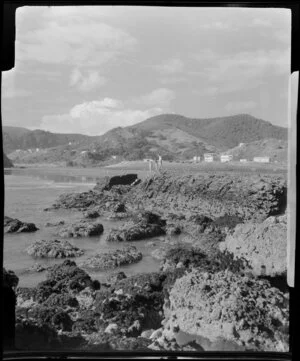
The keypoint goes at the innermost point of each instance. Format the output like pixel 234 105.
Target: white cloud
pixel 240 106
pixel 78 39
pixel 170 66
pixel 161 97
pixel 96 117
pixel 91 81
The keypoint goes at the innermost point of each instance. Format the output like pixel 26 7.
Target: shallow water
pixel 26 195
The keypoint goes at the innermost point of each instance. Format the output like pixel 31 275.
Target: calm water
pixel 27 193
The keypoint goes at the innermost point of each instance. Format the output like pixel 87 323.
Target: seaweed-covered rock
pixel 119 208
pixel 67 276
pixel 55 224
pixel 263 245
pixel 223 305
pixel 135 304
pixel 38 267
pixel 81 229
pixel 115 277
pixel 113 259
pixel 91 213
pixel 53 249
pixel 145 225
pixel 14 225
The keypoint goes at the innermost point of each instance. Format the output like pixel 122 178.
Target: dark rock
pixel 134 232
pixel 31 335
pixel 116 276
pixel 9 284
pixel 14 225
pixel 113 259
pixel 109 182
pixel 62 300
pixel 67 276
pixel 145 225
pixel 10 279
pixel 55 224
pixel 119 208
pixel 81 229
pixel 91 214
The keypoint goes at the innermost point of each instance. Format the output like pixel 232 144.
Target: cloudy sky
pixel 90 69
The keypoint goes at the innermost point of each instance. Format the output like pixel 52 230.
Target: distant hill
pixel 276 149
pixel 222 132
pixel 21 138
pixel 7 163
pixel 174 137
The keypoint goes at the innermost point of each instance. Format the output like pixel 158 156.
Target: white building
pixel 114 157
pixel 37 149
pixel 196 159
pixel 261 159
pixel 241 144
pixel 83 152
pixel 209 157
pixel 226 158
pixel 243 160
pixel 70 143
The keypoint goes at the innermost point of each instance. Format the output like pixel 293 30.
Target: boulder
pixel 223 305
pixel 14 225
pixel 113 259
pixel 91 213
pixel 263 245
pixel 108 182
pixel 53 249
pixel 145 225
pixel 81 229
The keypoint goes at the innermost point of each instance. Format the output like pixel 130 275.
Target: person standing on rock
pixel 159 163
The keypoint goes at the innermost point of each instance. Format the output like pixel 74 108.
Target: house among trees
pixel 209 157
pixel 225 158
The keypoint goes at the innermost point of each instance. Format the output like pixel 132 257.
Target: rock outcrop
pixel 113 259
pixel 242 310
pixel 263 245
pixel 214 195
pixel 53 249
pixel 81 229
pixel 14 225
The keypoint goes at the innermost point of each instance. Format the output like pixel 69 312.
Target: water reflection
pixel 55 177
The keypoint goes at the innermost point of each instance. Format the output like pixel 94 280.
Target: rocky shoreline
pixel 216 282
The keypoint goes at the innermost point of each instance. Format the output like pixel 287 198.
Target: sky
pixel 90 69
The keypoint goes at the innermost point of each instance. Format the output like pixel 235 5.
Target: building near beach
pixel 209 157
pixel 261 159
pixel 226 158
